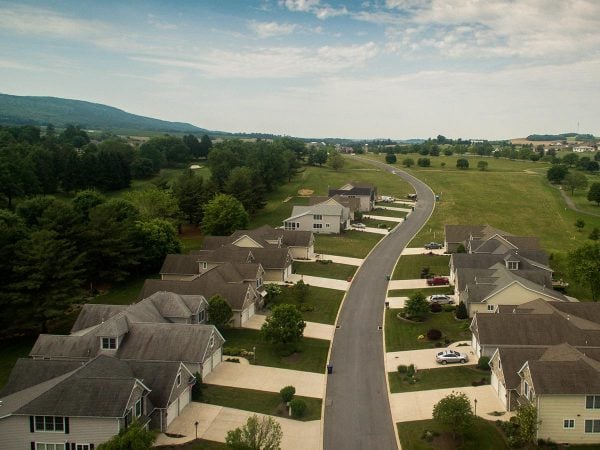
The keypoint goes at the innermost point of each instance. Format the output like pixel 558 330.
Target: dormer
pixel 512 264
pixel 112 332
pixel 109 343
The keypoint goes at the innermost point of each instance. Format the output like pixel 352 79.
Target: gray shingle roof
pixel 512 359
pixel 28 372
pixel 262 235
pixel 320 209
pixel 180 264
pixel 93 314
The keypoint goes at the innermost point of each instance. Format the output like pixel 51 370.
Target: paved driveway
pixel 312 330
pixel 422 251
pixel 418 405
pixel 408 284
pixel 425 359
pixel 396 302
pixel 215 421
pixel 385 218
pixel 328 283
pixel 264 378
pixel 341 259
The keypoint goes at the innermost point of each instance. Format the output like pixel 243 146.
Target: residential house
pixel 583 149
pixel 547 354
pixel 324 218
pixel 352 203
pixel 366 193
pixel 77 405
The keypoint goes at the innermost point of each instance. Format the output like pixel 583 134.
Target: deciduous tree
pixel 257 434
pixel 594 193
pixel 575 180
pixel 134 437
pixel 462 163
pixel 454 411
pixel 584 264
pixel 223 215
pixel 284 326
pixel 416 306
pixel 219 312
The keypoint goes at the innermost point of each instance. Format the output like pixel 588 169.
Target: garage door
pixel 244 316
pixel 172 411
pixel 474 345
pixel 184 399
pixel 216 358
pixel 206 368
pixel 251 310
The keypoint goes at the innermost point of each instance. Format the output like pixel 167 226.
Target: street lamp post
pixel 254 354
pixel 196 424
pixel 475 401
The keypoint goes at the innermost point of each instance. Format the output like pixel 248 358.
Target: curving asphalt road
pixel 357 410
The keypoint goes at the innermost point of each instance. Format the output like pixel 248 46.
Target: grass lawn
pixel 311 355
pixel 356 244
pixel 375 223
pixel 425 292
pixel 321 306
pixel 442 378
pixel 387 213
pixel 197 444
pixel 402 335
pixel 409 266
pixel 257 401
pixel 331 270
pixel 482 435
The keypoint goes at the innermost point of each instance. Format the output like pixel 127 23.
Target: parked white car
pixel 441 299
pixel 450 356
pixel 359 225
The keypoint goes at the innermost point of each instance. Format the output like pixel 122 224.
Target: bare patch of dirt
pixel 305 192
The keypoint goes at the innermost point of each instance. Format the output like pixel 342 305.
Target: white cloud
pixel 321 11
pixel 274 62
pixel 299 5
pixel 270 29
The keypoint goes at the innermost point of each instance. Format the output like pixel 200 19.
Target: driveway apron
pixel 357 409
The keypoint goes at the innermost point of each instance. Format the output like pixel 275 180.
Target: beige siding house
pixel 324 218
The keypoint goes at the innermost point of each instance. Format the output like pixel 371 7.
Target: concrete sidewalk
pixel 215 421
pixel 312 330
pixel 421 251
pixel 262 378
pixel 384 218
pixel 340 259
pixel 425 359
pixel 328 283
pixel 396 302
pixel 393 208
pixel 410 406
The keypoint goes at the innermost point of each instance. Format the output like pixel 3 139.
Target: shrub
pixel 232 351
pixel 197 388
pixel 233 360
pixel 402 368
pixel 410 371
pixel 438 344
pixel 424 162
pixel 461 311
pixel 298 407
pixel 435 308
pixel 483 363
pixel 434 334
pixel 287 393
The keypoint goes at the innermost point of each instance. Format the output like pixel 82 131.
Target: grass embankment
pixel 403 335
pixel 409 266
pixel 321 305
pixel 482 435
pixel 262 402
pixel 311 355
pixel 333 270
pixel 443 378
pixel 356 244
pixel 425 292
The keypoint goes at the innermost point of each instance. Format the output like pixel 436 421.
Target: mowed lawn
pixel 333 270
pixel 482 435
pixel 321 306
pixel 425 292
pixel 404 335
pixel 319 180
pixel 262 402
pixel 356 244
pixel 311 355
pixel 442 378
pixel 409 266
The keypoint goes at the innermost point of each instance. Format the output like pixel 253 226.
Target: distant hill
pixel 560 137
pixel 18 110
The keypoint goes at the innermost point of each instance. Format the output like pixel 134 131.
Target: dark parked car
pixel 450 356
pixel 434 246
pixel 438 281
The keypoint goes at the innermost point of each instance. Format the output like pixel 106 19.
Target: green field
pixel 330 270
pixel 262 402
pixel 403 335
pixel 321 306
pixel 311 355
pixel 482 435
pixel 409 266
pixel 442 378
pixel 356 244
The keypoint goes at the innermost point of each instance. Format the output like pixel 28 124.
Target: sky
pixel 398 69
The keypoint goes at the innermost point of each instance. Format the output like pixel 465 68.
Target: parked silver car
pixel 359 225
pixel 441 299
pixel 450 356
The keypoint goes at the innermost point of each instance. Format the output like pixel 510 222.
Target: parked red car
pixel 438 281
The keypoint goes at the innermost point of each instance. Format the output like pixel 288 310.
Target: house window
pixel 317 225
pixel 569 423
pixel 138 408
pixel 526 389
pixel 318 217
pixel 178 379
pixel 211 341
pixel 592 401
pixel 109 343
pixel 513 265
pixel 42 446
pixel 327 225
pixel 259 282
pixel 592 426
pixel 83 446
pixel 491 308
pixel 201 316
pixel 204 265
pixel 49 423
